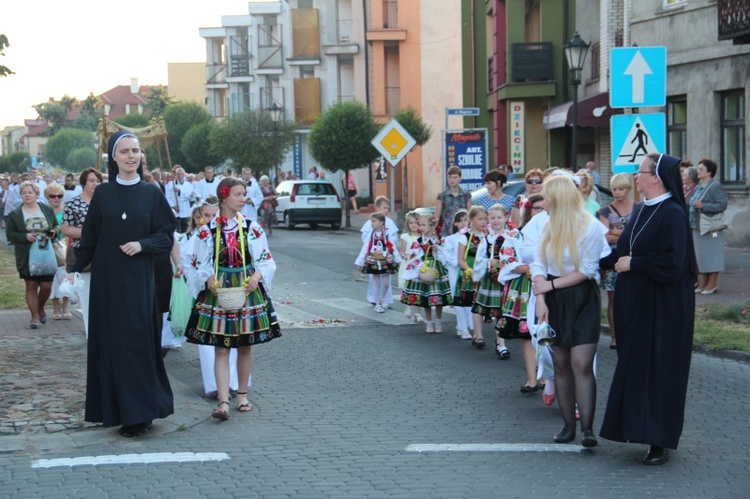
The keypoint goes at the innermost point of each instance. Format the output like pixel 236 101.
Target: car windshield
pixel 321 189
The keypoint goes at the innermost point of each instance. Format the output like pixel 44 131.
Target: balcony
pixel 531 62
pixel 390 14
pixel 734 21
pixel 270 96
pixel 390 30
pixel 344 42
pixel 239 58
pixel 216 76
pixel 269 48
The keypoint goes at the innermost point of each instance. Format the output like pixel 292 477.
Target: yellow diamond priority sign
pixel 393 142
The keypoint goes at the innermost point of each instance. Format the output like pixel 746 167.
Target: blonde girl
pixel 488 299
pixel 448 255
pixel 379 259
pixel 465 287
pixel 564 275
pixel 407 248
pixel 423 294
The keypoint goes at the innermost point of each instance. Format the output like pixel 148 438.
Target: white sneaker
pixel 418 318
pixel 379 309
pixel 459 332
pixel 408 313
pixel 465 335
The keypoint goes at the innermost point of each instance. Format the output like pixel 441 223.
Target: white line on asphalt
pixel 492 448
pixel 157 457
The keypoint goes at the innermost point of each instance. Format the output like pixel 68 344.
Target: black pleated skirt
pixel 575 313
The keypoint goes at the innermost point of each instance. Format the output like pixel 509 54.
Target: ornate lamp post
pixel 575 53
pixel 275 111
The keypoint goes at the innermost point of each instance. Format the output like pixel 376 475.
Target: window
pixel 733 136
pixel 677 128
pixel 673 3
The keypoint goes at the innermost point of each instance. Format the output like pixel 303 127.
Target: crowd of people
pixel 533 267
pixel 530 266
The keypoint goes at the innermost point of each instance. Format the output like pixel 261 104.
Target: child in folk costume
pixel 407 248
pixel 448 255
pixel 382 205
pixel 514 276
pixel 465 288
pixel 234 255
pixel 379 259
pixel 427 283
pixel 488 299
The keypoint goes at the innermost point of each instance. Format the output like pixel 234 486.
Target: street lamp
pixel 275 111
pixel 575 53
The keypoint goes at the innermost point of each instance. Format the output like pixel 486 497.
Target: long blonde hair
pixel 567 221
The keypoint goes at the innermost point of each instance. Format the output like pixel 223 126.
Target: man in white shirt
pixel 72 189
pixel 39 181
pixel 207 186
pixel 253 197
pixel 178 194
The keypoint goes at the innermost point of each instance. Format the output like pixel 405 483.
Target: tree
pixel 56 112
pixel 420 131
pixel 4 70
pixel 252 139
pixel 135 120
pixel 340 139
pixel 196 146
pixel 157 100
pixel 63 142
pixel 80 159
pixel 178 119
pixel 17 162
pixel 91 113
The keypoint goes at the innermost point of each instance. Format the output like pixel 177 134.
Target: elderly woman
pixel 55 194
pixel 709 198
pixel 267 211
pixel 29 223
pixel 73 218
pixel 690 181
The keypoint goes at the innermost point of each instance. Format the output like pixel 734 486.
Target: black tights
pixel 575 382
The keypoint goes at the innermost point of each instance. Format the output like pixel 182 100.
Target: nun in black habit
pixel 653 315
pixel 129 222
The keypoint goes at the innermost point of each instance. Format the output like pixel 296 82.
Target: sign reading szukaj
pixel 467 149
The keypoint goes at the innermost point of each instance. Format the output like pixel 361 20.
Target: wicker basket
pixel 231 298
pixel 379 255
pixel 428 275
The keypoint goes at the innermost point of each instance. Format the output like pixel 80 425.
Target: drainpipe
pixel 366 45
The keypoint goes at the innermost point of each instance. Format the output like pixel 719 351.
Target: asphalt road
pixel 350 403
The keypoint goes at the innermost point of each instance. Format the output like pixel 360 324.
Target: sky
pixel 75 47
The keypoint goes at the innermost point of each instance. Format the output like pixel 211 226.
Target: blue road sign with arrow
pixel 639 77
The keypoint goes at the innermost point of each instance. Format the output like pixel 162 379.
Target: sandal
pixel 220 413
pixel 478 343
pixel 244 406
pixel 67 316
pixel 57 316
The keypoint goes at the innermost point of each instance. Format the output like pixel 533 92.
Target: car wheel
pixel 336 226
pixel 288 221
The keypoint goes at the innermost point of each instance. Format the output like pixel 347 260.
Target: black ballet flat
pixel 566 435
pixel 529 389
pixel 588 439
pixel 135 430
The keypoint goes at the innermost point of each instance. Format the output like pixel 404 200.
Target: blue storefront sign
pixel 298 156
pixel 467 149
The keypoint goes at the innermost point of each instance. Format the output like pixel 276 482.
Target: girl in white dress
pixel 448 255
pixel 408 247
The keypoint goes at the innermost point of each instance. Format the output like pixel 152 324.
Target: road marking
pixel 492 448
pixel 158 457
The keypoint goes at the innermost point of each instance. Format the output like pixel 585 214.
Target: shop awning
pixel 593 111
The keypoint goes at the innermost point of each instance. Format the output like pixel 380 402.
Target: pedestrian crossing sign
pixel 634 136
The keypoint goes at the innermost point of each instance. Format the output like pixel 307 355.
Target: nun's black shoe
pixel 529 389
pixel 135 430
pixel 588 439
pixel 566 435
pixel 656 456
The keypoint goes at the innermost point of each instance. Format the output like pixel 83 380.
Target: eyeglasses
pixel 647 172
pixel 534 181
pixel 56 196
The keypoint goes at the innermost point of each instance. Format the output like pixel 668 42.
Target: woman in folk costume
pixel 488 299
pixel 379 258
pixel 235 255
pixel 448 255
pixel 128 223
pixel 654 315
pixel 427 283
pixel 465 288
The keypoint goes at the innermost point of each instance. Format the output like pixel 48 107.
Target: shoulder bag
pixel 708 224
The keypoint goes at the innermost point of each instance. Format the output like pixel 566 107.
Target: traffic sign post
pixel 393 142
pixel 639 77
pixel 634 136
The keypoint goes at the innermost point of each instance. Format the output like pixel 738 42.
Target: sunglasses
pixel 55 196
pixel 534 181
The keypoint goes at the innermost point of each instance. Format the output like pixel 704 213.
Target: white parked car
pixel 309 202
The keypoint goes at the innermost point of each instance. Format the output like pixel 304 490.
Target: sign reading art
pixel 467 149
pixel 517 136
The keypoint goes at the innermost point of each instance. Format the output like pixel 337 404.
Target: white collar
pixel 128 182
pixel 657 199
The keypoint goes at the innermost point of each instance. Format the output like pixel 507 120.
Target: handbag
pixel 70 260
pixel 60 252
pixel 274 203
pixel 42 261
pixel 708 224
